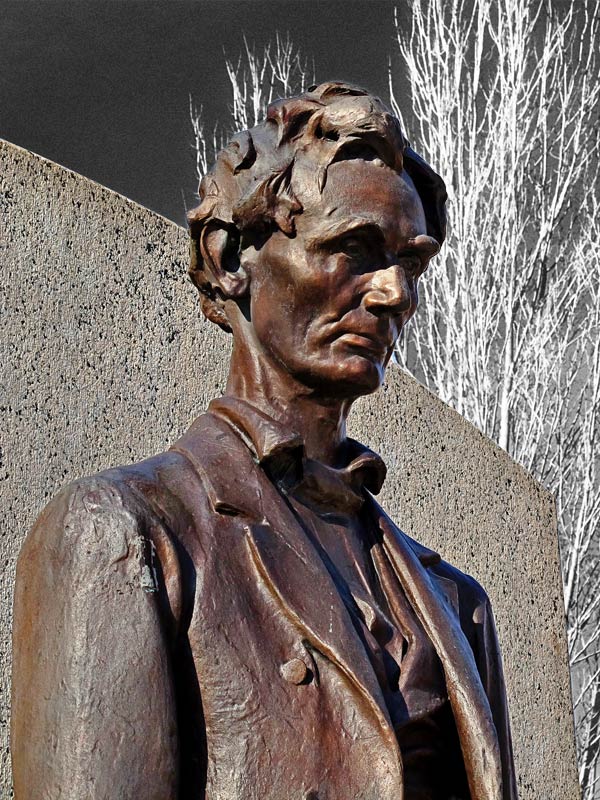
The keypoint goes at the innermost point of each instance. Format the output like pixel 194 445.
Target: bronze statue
pixel 237 618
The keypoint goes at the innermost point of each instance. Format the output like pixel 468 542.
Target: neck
pixel 321 421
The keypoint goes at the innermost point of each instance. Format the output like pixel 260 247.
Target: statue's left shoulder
pixel 470 592
pixel 474 610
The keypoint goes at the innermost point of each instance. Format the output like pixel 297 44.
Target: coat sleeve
pixel 489 664
pixel 93 701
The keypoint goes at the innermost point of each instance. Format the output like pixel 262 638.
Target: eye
pixel 353 246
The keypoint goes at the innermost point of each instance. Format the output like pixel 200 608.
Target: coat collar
pixel 280 451
pixel 213 439
pixel 267 439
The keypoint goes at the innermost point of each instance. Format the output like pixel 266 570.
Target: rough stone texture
pixel 106 360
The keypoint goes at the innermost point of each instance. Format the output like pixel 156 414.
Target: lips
pixel 377 344
pixel 365 332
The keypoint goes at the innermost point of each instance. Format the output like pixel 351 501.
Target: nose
pixel 390 291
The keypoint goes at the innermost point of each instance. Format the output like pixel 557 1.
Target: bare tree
pixel 256 79
pixel 506 100
pixel 203 146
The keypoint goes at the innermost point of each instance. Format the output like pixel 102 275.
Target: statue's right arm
pixel 93 715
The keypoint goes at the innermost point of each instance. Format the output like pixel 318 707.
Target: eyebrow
pixel 335 230
pixel 421 244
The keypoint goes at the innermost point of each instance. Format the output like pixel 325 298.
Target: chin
pixel 353 377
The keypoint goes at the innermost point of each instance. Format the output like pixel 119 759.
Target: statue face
pixel 328 304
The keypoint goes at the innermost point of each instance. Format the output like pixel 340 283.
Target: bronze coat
pixel 182 639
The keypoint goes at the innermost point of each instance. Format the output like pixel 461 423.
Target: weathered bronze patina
pixel 237 618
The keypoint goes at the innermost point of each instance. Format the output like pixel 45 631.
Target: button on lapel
pixel 293 571
pixel 295 671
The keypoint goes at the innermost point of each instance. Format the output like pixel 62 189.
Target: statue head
pixel 311 234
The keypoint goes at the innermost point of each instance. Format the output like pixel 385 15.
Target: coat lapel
pixel 283 555
pixel 436 604
pixel 293 571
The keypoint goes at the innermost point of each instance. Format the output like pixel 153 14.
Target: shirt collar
pixel 280 451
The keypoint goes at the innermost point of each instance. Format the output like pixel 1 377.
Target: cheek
pixel 280 314
pixel 413 287
pixel 293 299
pixel 316 281
pixel 415 298
pixel 330 286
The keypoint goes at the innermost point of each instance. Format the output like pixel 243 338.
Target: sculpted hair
pixel 249 192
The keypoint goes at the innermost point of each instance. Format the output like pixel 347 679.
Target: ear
pixel 220 254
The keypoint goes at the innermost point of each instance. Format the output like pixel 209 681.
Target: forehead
pixel 358 190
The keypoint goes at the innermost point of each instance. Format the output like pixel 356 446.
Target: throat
pixel 319 420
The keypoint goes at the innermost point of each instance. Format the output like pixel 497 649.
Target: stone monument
pixel 249 585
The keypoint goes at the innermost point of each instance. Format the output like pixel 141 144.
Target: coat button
pixel 294 671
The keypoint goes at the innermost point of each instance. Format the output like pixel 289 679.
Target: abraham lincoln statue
pixel 237 618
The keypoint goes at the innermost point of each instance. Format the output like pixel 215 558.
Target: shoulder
pixel 119 490
pixel 90 524
pixel 469 589
pixel 102 537
pixel 99 521
pixel 469 595
pixel 473 603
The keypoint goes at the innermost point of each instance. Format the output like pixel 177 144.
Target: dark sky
pixel 102 87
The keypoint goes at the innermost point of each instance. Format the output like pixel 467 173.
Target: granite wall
pixel 105 359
